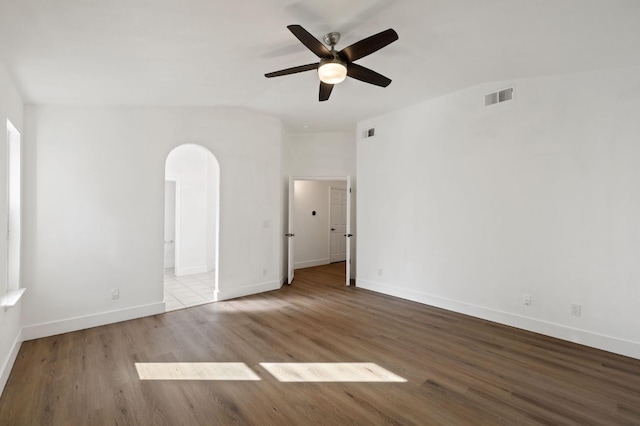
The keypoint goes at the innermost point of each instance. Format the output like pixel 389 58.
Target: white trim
pixel 311 263
pixel 575 335
pixel 52 328
pixel 193 270
pixel 247 290
pixel 7 365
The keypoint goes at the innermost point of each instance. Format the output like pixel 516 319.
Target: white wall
pixel 213 196
pixel 469 208
pixel 322 154
pixel 170 204
pixel 94 208
pixel 11 108
pixel 312 232
pixel 196 174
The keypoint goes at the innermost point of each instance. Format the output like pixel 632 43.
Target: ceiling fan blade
pixel 325 91
pixel 368 76
pixel 312 43
pixel 369 45
pixel 293 70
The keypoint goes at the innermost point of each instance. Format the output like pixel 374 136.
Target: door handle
pixel 348 235
pixel 289 235
pixel 168 242
pixel 333 229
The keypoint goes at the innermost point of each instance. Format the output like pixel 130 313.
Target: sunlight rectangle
pixel 331 372
pixel 230 371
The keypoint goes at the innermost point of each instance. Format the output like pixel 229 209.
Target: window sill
pixel 11 297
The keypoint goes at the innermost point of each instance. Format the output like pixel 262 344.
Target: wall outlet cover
pixel 576 309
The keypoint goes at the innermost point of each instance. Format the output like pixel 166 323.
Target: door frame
pixel 291 226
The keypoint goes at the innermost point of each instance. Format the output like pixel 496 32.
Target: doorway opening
pixel 319 231
pixel 192 194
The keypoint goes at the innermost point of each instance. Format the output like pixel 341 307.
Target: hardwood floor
pixel 458 370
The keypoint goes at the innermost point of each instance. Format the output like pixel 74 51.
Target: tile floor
pixel 189 290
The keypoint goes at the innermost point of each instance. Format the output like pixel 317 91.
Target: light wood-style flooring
pixel 458 370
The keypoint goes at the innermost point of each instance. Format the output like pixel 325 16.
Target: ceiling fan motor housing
pixel 331 39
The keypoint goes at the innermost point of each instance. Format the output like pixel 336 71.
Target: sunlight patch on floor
pixel 331 372
pixel 195 371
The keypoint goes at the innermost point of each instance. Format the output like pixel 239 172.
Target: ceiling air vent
pixel 369 133
pixel 500 96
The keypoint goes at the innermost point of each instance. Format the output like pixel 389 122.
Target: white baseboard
pixel 232 293
pixel 192 270
pixel 7 365
pixel 47 329
pixel 311 263
pixel 583 337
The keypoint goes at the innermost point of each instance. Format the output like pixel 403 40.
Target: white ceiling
pixel 215 52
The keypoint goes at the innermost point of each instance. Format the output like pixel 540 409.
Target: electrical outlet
pixel 264 271
pixel 526 299
pixel 115 293
pixel 380 272
pixel 576 309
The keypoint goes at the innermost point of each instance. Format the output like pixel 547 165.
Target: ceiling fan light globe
pixel 332 72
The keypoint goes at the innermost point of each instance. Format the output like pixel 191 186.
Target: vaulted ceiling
pixel 215 53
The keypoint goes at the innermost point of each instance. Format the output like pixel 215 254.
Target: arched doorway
pixel 192 188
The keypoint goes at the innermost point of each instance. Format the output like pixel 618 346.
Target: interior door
pixel 290 234
pixel 338 223
pixel 169 224
pixel 348 234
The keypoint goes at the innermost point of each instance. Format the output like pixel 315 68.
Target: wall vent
pixel 369 133
pixel 498 97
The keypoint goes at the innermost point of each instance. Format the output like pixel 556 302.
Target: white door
pixel 290 235
pixel 348 233
pixel 338 223
pixel 169 224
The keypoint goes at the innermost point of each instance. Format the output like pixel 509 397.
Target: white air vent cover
pixel 500 96
pixel 369 133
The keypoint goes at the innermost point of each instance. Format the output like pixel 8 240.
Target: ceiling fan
pixel 335 66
